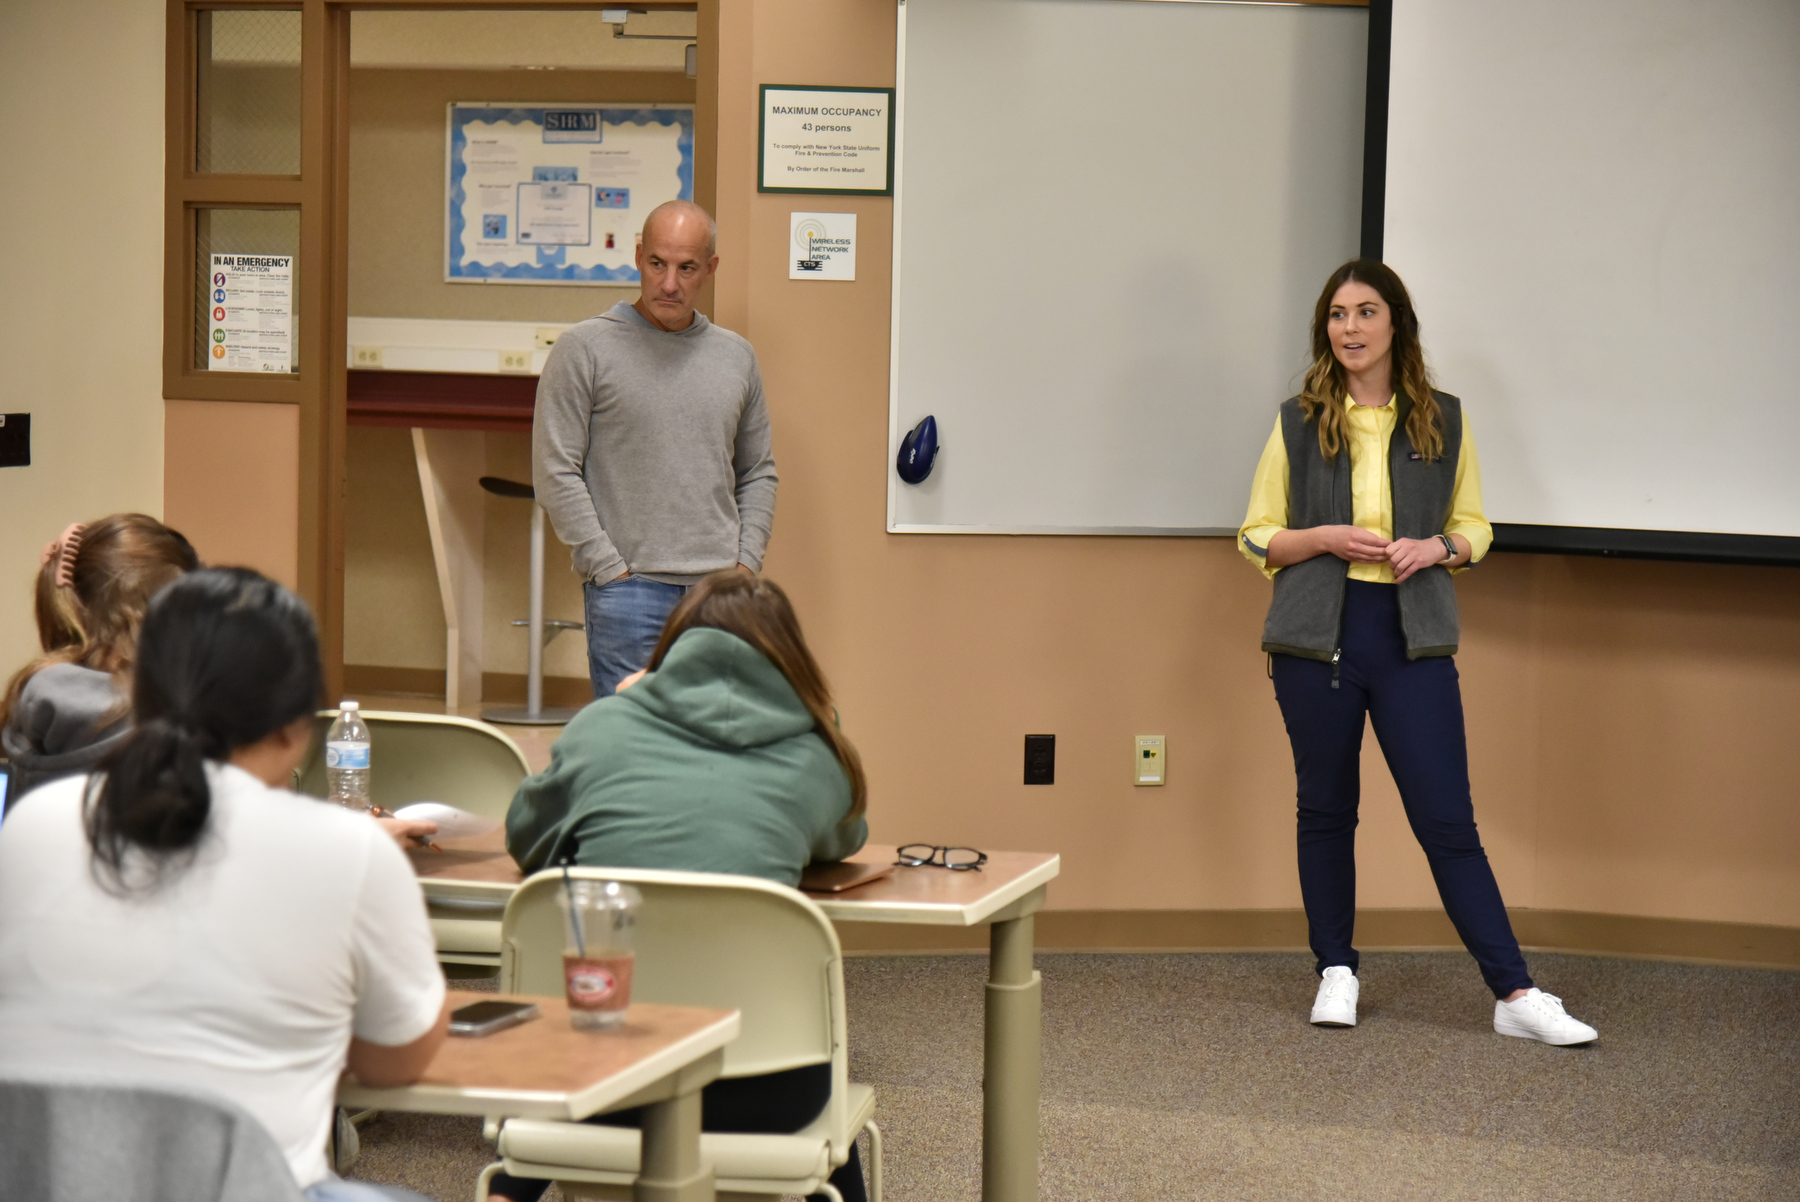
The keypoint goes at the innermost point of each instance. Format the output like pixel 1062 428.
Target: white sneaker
pixel 1336 1004
pixel 1540 1015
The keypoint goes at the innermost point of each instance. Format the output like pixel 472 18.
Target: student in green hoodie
pixel 724 755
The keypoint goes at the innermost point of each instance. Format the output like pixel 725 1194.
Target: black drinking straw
pixel 574 914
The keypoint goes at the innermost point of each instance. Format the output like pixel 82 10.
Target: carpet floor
pixel 1198 1077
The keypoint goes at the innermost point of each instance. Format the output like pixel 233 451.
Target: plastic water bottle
pixel 347 758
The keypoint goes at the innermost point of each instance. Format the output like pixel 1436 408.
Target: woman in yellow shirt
pixel 1367 497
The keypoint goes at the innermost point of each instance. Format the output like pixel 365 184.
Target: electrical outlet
pixel 365 356
pixel 515 360
pixel 1151 759
pixel 1040 759
pixel 547 336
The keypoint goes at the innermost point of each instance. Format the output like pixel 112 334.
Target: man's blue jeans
pixel 625 617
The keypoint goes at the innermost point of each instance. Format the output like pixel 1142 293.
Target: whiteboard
pixel 557 193
pixel 1112 219
pixel 1597 208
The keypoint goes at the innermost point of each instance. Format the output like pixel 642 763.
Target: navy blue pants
pixel 1416 709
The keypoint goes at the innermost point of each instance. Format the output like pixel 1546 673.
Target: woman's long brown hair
pixel 1327 384
pixel 757 611
pixel 123 561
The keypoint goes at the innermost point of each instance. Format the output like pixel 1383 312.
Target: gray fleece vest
pixel 1305 615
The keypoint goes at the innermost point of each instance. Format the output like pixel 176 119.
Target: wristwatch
pixel 1449 546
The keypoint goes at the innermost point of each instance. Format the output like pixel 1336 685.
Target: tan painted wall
pixel 232 483
pixel 80 276
pixel 393 616
pixel 1626 719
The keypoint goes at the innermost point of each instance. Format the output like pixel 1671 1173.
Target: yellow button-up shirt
pixel 1371 492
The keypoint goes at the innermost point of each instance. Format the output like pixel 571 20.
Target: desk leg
pixel 1012 1065
pixel 671 1169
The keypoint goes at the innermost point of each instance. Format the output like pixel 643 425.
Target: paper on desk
pixel 452 823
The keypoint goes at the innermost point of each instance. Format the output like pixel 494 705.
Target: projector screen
pixel 1597 209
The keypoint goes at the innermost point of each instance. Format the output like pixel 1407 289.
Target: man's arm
pixel 559 449
pixel 753 462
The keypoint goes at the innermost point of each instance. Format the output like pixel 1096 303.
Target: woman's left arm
pixel 1468 529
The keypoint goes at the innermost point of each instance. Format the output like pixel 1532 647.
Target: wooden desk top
pixel 937 896
pixel 478 861
pixel 480 867
pixel 546 1069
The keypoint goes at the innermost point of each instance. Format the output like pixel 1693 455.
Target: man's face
pixel 672 258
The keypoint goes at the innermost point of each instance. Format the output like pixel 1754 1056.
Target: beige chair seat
pixel 794 1164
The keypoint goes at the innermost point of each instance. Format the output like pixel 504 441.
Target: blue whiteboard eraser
pixel 918 451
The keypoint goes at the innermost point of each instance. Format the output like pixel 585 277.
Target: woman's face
pixel 1360 326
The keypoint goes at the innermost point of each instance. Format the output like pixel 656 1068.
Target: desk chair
pixel 70 1138
pixel 438 757
pixel 703 939
pixel 534 713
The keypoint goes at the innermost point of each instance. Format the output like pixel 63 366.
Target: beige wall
pixel 393 616
pixel 1625 719
pixel 80 276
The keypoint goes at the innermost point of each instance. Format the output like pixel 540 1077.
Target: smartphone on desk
pixel 484 1018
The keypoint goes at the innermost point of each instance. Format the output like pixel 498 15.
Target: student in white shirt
pixel 179 917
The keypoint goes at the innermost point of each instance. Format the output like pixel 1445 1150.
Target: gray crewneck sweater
pixel 650 450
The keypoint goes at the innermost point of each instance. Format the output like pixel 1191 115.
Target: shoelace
pixel 1337 987
pixel 1546 1004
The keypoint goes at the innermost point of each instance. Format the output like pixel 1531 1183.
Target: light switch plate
pixel 1150 761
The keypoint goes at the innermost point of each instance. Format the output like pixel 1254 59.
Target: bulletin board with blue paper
pixel 557 194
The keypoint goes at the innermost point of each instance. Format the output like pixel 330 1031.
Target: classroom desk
pixel 1006 894
pixel 545 1069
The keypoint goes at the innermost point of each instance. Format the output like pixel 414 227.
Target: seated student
pixel 67 708
pixel 723 756
pixel 179 917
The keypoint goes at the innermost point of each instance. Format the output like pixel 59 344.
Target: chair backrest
pixel 429 757
pixel 706 939
pixel 72 1139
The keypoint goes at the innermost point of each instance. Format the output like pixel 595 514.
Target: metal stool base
pixel 550 715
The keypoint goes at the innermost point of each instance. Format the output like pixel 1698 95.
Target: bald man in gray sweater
pixel 650 447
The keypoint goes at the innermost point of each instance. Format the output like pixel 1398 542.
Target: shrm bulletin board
pixel 557 194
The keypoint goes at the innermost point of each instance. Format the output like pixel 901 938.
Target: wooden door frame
pixel 321 193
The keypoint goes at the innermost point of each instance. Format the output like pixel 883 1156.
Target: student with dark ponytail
pixel 178 916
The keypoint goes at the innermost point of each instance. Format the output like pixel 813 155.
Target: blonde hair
pixel 1327 384
pixel 121 562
